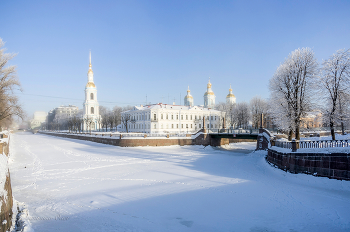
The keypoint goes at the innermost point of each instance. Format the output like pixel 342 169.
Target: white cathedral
pixel 91 116
pixel 187 118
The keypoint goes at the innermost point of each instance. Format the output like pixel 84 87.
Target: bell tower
pixel 91 118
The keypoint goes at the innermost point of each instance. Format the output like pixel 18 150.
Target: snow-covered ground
pixel 74 185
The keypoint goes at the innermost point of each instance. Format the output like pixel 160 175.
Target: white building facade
pixel 164 118
pixel 91 116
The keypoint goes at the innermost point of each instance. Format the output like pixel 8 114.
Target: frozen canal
pixel 73 185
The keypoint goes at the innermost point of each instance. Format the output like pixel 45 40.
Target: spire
pixel 188 89
pixel 90 60
pixel 230 89
pixel 90 66
pixel 209 84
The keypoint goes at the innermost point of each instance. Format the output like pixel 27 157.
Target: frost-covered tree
pixel 258 106
pixel 291 90
pixel 227 113
pixel 104 112
pixel 241 115
pixel 334 85
pixel 9 104
pixel 117 116
pixel 126 118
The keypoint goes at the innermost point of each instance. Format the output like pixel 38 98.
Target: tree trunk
pixel 332 129
pixel 297 132
pixel 290 134
pixel 342 128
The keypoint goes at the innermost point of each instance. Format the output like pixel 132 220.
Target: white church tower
pixel 209 97
pixel 188 101
pixel 92 118
pixel 230 98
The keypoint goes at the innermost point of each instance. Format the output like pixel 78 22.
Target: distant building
pixel 230 98
pixel 312 120
pixel 38 119
pixel 59 114
pixel 209 97
pixel 188 100
pixel 91 117
pixel 164 118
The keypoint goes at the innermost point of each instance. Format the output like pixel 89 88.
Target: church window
pixel 211 118
pixel 92 110
pixel 182 117
pixel 161 126
pixel 166 116
pixel 172 117
pixel 186 117
pixel 91 96
pixel 215 117
pixel 208 126
pixel 155 117
pixel 182 125
pixel 191 116
pixel 200 117
pixel 161 116
pixel 195 117
pixel 200 125
pixel 177 125
pixel 191 125
pixel 177 117
pixel 207 117
pixel 172 126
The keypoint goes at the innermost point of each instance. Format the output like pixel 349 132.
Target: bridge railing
pixel 233 131
pixel 313 144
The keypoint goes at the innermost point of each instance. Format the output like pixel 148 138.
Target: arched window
pixel 91 96
pixel 92 110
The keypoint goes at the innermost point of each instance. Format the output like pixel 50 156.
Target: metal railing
pixel 233 131
pixel 283 144
pixel 313 144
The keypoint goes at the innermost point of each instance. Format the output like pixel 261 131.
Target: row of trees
pixel 110 119
pixel 243 115
pixel 299 86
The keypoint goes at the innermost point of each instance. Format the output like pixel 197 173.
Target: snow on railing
pixel 313 144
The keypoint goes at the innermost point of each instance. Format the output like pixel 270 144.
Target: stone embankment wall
pixel 201 139
pixel 6 200
pixel 333 166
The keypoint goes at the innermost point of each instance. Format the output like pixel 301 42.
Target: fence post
pixel 294 145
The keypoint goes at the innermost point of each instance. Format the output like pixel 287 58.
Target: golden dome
pixel 230 95
pixel 90 84
pixel 188 96
pixel 90 71
pixel 208 93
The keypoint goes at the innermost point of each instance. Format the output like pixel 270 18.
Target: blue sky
pixel 158 48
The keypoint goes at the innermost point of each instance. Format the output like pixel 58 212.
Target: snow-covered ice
pixel 74 185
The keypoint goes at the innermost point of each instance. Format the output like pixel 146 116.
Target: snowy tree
pixel 227 113
pixel 241 115
pixel 117 115
pixel 292 89
pixel 9 104
pixel 258 106
pixel 126 118
pixel 104 112
pixel 334 80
